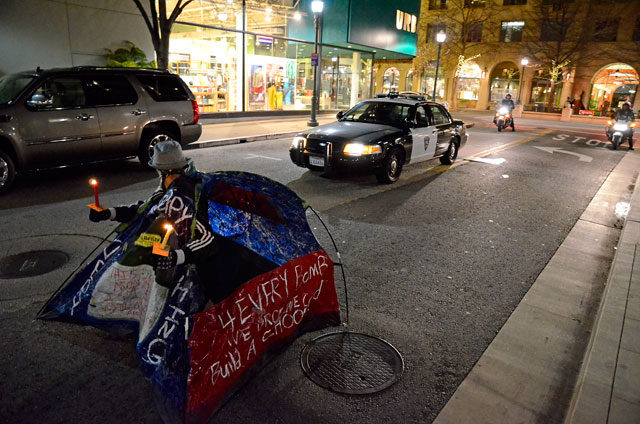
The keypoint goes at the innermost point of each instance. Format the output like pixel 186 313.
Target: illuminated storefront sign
pixel 406 21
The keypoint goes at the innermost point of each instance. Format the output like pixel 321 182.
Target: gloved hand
pixel 164 263
pixel 97 216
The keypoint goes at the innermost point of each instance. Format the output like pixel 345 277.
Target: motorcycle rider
pixel 626 114
pixel 177 199
pixel 508 103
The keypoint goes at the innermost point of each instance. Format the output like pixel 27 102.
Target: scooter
pixel 503 118
pixel 618 131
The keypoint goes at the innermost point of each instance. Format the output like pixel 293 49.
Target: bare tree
pixel 466 23
pixel 160 26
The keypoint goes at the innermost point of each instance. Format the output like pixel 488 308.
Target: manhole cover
pixel 351 363
pixel 30 264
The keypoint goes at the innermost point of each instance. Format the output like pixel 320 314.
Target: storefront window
pixel 390 80
pixel 427 80
pixel 409 81
pixel 218 13
pixel 266 17
pixel 612 86
pixel 274 74
pixel 234 61
pixel 209 61
pixel 505 78
pixel 541 90
pixel 468 85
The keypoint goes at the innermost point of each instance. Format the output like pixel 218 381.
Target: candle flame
pixel 93 182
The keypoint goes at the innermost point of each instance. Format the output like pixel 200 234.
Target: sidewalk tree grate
pixel 351 363
pixel 30 264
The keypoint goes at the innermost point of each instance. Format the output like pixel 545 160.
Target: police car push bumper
pixel 336 155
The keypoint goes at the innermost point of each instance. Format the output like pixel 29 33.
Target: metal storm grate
pixel 351 363
pixel 30 264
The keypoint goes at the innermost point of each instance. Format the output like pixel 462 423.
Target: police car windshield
pixel 384 113
pixel 12 85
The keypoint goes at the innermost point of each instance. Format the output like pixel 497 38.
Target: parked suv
pixel 57 117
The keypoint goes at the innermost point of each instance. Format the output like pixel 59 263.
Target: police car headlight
pixel 357 149
pixel 298 142
pixel 620 127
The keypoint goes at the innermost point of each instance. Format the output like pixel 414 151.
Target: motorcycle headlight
pixel 357 149
pixel 298 142
pixel 621 127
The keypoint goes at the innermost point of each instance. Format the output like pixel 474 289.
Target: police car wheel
pixel 450 156
pixel 392 167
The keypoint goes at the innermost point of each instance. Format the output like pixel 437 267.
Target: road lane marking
pixel 497 161
pixel 441 168
pixel 552 150
pixel 254 156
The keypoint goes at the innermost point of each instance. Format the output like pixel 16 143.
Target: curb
pixel 249 139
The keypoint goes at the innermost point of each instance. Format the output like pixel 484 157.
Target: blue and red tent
pixel 196 353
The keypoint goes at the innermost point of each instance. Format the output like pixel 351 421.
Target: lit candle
pixel 94 183
pixel 169 229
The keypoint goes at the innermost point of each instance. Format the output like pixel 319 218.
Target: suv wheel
pixel 7 171
pixel 149 139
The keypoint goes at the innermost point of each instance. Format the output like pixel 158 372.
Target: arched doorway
pixel 505 78
pixel 611 87
pixel 468 85
pixel 390 79
pixel 409 81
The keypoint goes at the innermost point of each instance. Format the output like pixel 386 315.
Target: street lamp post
pixel 440 37
pixel 524 62
pixel 316 8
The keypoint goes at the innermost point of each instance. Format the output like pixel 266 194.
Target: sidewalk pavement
pixel 536 369
pixel 608 389
pixel 223 132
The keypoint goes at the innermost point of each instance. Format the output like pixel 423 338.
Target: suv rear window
pixel 107 90
pixel 163 88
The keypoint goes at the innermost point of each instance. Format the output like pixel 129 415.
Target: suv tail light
pixel 196 111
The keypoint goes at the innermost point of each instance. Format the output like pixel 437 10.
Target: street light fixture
pixel 524 62
pixel 440 37
pixel 316 7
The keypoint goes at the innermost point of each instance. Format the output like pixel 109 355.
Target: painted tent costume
pixel 282 285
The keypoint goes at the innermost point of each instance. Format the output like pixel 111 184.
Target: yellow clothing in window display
pixel 271 94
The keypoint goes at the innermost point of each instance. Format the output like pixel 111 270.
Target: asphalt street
pixel 435 265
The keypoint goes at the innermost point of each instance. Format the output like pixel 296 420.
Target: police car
pixel 382 135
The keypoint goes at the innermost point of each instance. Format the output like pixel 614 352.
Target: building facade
pixel 235 55
pixel 599 41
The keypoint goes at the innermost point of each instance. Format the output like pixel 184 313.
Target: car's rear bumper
pixel 190 133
